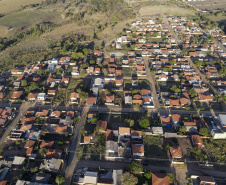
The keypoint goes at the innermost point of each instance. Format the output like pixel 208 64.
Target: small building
pixel 51 165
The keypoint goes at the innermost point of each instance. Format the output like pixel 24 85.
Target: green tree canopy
pixel 59 179
pixel 24 83
pixel 144 123
pixel 129 179
pixel 135 167
pixel 198 63
pixel 93 121
pixel 182 130
pixel 204 131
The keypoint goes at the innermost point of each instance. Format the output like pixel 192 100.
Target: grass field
pixel 7 6
pixel 171 10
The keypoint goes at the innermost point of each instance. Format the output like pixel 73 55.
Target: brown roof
pixel 160 179
pixel 146 99
pixel 110 97
pixel 140 102
pixel 74 95
pixel 102 124
pixel 91 114
pixel 3 182
pixel 205 97
pixel 16 94
pixel 53 153
pixel 118 72
pixel 86 139
pixel 138 148
pixel 42 113
pixel 56 113
pixel 29 143
pixel 29 151
pixel 91 99
pixel 186 95
pixel 197 141
pixel 137 97
pixel 189 123
pixel 165 120
pixel 176 118
pixel 60 128
pixel 32 95
pixel 206 179
pixel 109 135
pixel 174 102
pixel 51 91
pixel 111 70
pixel 183 101
pixel 118 81
pixel 1 95
pixel 70 113
pixel 49 79
pixel 144 92
pixel 26 127
pixel 65 79
pixel 176 151
pixel 47 144
pixel 136 133
pixel 124 130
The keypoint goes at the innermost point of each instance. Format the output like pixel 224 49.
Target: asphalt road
pixel 72 162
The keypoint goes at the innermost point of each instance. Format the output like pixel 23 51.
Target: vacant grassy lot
pixel 7 6
pixel 60 97
pixel 172 10
pixel 216 150
pixel 153 147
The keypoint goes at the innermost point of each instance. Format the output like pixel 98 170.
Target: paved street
pixel 71 164
pixel 22 109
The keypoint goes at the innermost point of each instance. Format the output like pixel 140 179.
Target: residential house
pixel 16 95
pixel 74 98
pixel 91 100
pixel 176 118
pixel 32 96
pixel 197 141
pixel 207 180
pixel 176 154
pixel 51 165
pixel 110 98
pixel 160 179
pixel 165 121
pixel 102 126
pixel 138 150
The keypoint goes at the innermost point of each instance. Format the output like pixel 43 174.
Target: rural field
pixel 171 10
pixel 209 4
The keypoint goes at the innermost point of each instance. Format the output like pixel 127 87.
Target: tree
pixel 198 63
pixel 135 91
pixel 93 121
pixel 172 62
pixel 192 93
pixel 135 167
pixel 59 179
pixel 187 107
pixel 75 120
pixel 171 177
pixel 92 62
pixel 167 146
pixel 24 83
pixel 175 89
pixel 201 107
pixel 144 123
pixel 83 73
pixel 77 55
pixel 147 174
pixel 129 122
pixel 182 130
pixel 203 131
pixel 129 179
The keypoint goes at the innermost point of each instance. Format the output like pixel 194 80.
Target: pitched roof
pixel 176 151
pixel 53 153
pixel 60 128
pixel 74 95
pixel 16 94
pixel 165 120
pixel 197 141
pixel 102 124
pixel 174 102
pixel 29 143
pixel 144 92
pixel 70 113
pixel 176 117
pixel 160 179
pixel 91 99
pixel 110 97
pixel 32 95
pixel 26 127
pixel 124 130
pixel 47 144
pixel 109 135
pixel 138 148
pixel 137 97
pixel 183 101
pixel 206 179
pixel 136 133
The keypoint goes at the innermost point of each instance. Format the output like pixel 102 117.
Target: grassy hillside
pixel 39 30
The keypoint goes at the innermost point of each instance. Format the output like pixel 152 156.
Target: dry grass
pixel 161 9
pixel 7 6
